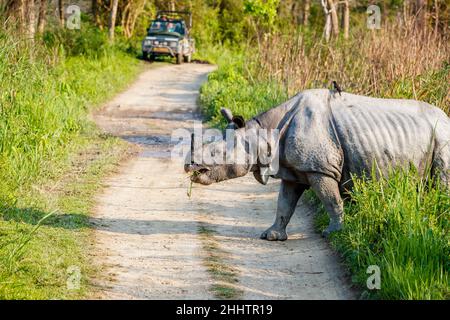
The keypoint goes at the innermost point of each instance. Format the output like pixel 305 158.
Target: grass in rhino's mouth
pixel 194 173
pixel 191 183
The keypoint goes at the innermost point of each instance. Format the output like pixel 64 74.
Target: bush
pixel 230 87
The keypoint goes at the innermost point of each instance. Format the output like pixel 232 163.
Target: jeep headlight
pixel 147 43
pixel 173 44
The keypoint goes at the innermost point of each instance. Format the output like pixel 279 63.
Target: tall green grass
pixel 401 224
pixel 232 86
pixel 46 95
pixel 44 104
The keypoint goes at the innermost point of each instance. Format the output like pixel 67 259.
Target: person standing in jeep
pixel 169 35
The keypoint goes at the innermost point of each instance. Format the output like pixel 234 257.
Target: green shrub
pixel 231 86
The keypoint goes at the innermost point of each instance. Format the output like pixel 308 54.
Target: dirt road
pixel 150 236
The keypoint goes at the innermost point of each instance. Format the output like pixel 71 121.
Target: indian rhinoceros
pixel 325 138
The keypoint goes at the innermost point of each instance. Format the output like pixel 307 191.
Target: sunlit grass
pixel 400 224
pixel 44 105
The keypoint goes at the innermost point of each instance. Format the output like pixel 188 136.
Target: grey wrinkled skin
pixel 325 138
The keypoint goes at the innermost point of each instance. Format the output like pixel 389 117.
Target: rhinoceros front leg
pixel 327 189
pixel 288 197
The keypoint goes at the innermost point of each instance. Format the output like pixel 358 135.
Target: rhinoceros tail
pixel 441 157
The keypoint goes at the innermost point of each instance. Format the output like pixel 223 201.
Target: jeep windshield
pixel 166 27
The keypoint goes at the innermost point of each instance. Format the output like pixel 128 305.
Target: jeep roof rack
pixel 168 13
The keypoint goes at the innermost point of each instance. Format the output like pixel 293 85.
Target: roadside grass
pixel 51 161
pixel 223 275
pixel 232 86
pixel 42 268
pixel 399 223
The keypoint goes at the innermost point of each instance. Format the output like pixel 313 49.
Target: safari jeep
pixel 168 35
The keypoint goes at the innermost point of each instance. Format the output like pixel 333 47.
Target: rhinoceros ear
pixel 239 121
pixel 227 114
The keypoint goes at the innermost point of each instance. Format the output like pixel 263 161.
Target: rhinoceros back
pixel 387 133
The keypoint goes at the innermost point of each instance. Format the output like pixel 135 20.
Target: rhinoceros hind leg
pixel 327 189
pixel 288 197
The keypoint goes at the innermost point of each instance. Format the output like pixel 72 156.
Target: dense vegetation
pixel 399 224
pixel 52 157
pixel 48 87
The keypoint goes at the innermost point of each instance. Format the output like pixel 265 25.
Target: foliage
pixel 264 11
pixel 45 99
pixel 229 87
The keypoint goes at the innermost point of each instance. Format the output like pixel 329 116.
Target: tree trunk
pixel 31 19
pixel 42 16
pixel 61 12
pixel 327 28
pixel 94 8
pixel 15 13
pixel 126 15
pixel 112 19
pixel 137 10
pixel 172 5
pixel 346 19
pixel 306 12
pixel 334 17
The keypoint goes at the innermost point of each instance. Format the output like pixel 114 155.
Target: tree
pixel 30 10
pixel 61 12
pixel 327 27
pixel 15 13
pixel 42 16
pixel 346 18
pixel 95 13
pixel 130 13
pixel 306 12
pixel 22 14
pixel 332 20
pixel 334 17
pixel 290 11
pixel 112 19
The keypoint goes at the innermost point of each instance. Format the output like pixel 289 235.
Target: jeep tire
pixel 179 58
pixel 187 59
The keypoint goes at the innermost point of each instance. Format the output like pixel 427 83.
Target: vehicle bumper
pixel 160 51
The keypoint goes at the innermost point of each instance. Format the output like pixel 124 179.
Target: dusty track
pixel 147 228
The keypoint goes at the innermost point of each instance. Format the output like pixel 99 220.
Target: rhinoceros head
pixel 245 151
